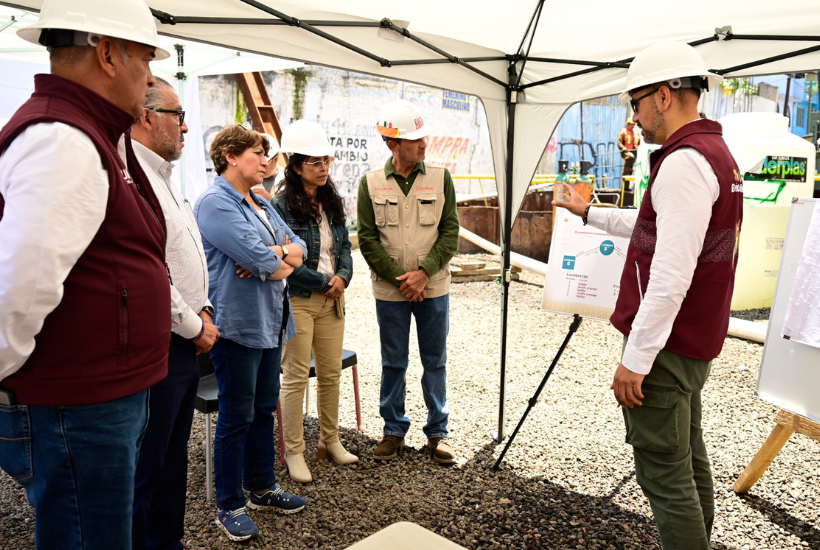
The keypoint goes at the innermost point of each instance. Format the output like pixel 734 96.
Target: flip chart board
pixel 584 269
pixel 790 371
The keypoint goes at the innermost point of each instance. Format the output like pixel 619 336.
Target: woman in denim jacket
pixel 310 204
pixel 250 251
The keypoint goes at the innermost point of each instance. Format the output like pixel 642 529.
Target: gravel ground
pixel 568 480
pixel 753 314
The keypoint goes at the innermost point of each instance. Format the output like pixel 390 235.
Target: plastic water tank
pixel 776 165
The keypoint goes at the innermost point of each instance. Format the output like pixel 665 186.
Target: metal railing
pixel 543 181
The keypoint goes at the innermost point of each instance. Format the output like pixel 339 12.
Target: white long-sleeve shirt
pixel 683 193
pixel 55 193
pixel 184 254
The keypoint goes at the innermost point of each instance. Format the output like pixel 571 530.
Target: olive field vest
pixel 408 227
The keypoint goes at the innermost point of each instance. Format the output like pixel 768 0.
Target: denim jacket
pixel 305 279
pixel 249 311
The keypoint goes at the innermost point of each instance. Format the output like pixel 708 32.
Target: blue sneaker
pixel 278 500
pixel 237 525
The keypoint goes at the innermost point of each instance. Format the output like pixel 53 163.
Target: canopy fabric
pixel 22 60
pixel 199 59
pixel 596 31
pixel 527 61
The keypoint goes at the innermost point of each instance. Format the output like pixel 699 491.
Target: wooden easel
pixel 787 424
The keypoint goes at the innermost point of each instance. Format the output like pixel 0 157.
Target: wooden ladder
pixel 258 101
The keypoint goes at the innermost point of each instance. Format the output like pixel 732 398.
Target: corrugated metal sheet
pixel 597 141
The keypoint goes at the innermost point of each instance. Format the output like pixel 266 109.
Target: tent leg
pixel 506 238
pixel 181 77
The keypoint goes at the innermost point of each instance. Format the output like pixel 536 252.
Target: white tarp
pixel 592 31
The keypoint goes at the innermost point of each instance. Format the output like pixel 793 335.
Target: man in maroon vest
pixel 84 291
pixel 676 287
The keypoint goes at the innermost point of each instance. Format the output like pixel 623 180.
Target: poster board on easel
pixel 582 280
pixel 790 371
pixel 584 269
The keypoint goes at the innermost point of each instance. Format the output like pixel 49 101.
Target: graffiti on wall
pixel 447 151
pixel 455 101
pixel 346 104
pixel 350 151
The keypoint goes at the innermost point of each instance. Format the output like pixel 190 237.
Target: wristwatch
pixel 209 310
pixel 285 252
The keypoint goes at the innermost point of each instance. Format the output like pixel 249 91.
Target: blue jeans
pixel 162 469
pixel 432 324
pixel 77 465
pixel 248 381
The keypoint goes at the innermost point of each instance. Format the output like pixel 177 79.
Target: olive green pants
pixel 671 464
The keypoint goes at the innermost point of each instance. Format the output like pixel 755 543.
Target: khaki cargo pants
pixel 671 464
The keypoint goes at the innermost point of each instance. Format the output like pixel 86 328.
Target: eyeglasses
pixel 319 163
pixel 179 112
pixel 634 102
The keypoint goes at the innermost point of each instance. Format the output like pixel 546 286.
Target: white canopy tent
pixel 21 60
pixel 527 61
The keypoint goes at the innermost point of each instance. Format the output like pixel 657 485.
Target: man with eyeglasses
pixel 162 470
pixel 408 232
pixel 676 286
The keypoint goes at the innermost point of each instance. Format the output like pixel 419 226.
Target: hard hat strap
pixel 696 82
pixel 56 38
pixel 61 38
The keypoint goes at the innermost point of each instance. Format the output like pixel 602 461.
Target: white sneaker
pixel 297 468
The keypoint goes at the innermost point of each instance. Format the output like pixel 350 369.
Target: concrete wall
pixel 347 105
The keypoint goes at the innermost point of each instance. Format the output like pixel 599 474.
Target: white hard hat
pixel 672 62
pixel 274 146
pixel 125 19
pixel 400 119
pixel 306 138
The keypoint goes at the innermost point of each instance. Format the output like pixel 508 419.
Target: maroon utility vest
pixel 700 327
pixel 109 336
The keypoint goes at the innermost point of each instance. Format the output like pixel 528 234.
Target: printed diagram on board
pixel 584 269
pixel 580 270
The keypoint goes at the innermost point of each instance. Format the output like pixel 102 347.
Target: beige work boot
pixel 336 452
pixel 388 448
pixel 441 450
pixel 297 468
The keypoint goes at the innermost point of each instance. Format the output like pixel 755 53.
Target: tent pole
pixel 772 59
pixel 181 77
pixel 506 237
